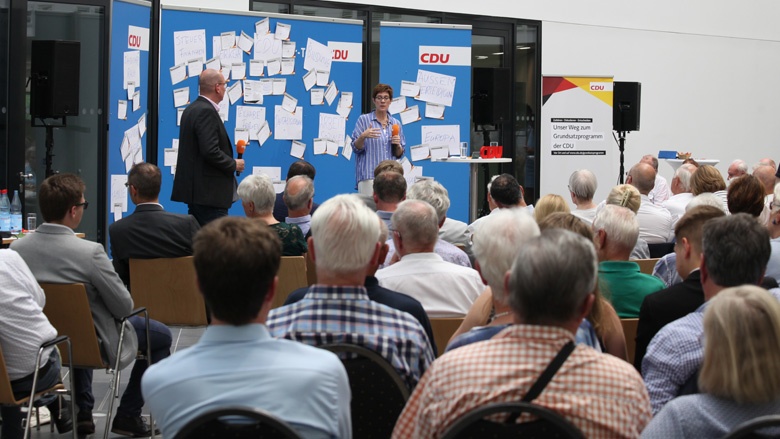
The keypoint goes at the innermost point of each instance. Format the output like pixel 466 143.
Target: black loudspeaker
pixel 491 91
pixel 625 106
pixel 55 78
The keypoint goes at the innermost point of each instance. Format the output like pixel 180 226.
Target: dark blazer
pixel 149 233
pixel 205 169
pixel 663 307
pixel 280 209
pixel 391 298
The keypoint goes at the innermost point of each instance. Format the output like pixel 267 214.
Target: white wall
pixel 710 70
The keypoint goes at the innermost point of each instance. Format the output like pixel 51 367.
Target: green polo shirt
pixel 625 286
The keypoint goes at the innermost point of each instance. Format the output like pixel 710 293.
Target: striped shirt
pixel 340 314
pixel 601 395
pixel 374 150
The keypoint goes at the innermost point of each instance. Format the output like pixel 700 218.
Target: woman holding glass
pixel 377 136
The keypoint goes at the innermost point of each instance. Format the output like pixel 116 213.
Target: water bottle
pixel 16 214
pixel 5 212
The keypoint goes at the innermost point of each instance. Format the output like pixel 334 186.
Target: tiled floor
pixel 183 337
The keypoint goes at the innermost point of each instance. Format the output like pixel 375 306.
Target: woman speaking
pixel 377 136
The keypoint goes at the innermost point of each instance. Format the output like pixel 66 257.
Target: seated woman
pixel 739 376
pixel 257 197
pixel 550 204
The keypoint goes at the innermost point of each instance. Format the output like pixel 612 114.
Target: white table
pixel 474 165
pixel 675 163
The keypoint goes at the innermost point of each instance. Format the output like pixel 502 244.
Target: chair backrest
pixel 443 328
pixel 629 331
pixel 751 429
pixel 311 270
pixel 379 393
pixel 237 423
pixel 168 288
pixel 646 266
pixel 548 425
pixel 660 249
pixel 292 275
pixel 67 309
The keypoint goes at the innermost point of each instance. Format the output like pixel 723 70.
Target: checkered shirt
pixel 600 394
pixel 339 314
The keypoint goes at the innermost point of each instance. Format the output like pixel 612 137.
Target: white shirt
pixel 455 232
pixel 655 222
pixel 676 204
pixel 444 289
pixel 660 192
pixel 23 326
pixel 476 224
pixel 586 215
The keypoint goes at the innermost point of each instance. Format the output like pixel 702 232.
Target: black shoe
pixel 84 422
pixel 132 426
pixel 63 420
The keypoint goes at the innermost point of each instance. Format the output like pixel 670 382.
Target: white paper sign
pixel 297 149
pixel 262 27
pixel 170 156
pixel 320 146
pixel 256 67
pixel 121 112
pixel 194 67
pixel 227 39
pixel 318 56
pixel 411 114
pixel 250 119
pixel 267 47
pixel 332 127
pixel 235 92
pixel 214 64
pixel 346 151
pixel 240 134
pixel 439 152
pixel 288 49
pixel 132 68
pixel 397 105
pixel 332 148
pixel 420 152
pixel 434 111
pixel 289 126
pixel 274 67
pixel 310 79
pixel 228 57
pixel 264 133
pixel 409 88
pixel 189 44
pixel 119 191
pixel 331 92
pixel 136 100
pixel 282 31
pixel 317 96
pixel 288 66
pixel 289 103
pixel 245 42
pixel 138 38
pixel 442 135
pixel 346 52
pixel 253 92
pixel 279 86
pixel 322 77
pixel 436 87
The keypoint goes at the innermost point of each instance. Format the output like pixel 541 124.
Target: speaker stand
pixel 622 148
pixel 49 142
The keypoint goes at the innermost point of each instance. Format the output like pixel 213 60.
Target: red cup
pixel 486 152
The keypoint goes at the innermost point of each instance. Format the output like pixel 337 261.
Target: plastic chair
pixel 549 425
pixel 379 393
pixel 7 395
pixel 168 288
pixel 67 308
pixel 646 266
pixel 237 423
pixel 750 429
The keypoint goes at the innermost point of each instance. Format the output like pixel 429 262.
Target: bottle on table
pixel 5 212
pixel 16 214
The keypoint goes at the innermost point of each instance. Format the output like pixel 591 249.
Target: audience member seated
pixel 55 255
pixel 737 168
pixel 708 179
pixel 150 232
pixel 23 329
pixel 735 250
pixel 298 196
pixel 766 174
pixel 582 187
pixel 615 230
pixel 739 378
pixel 625 195
pixel 504 192
pixel 300 167
pixel 665 306
pixel 746 194
pixel 655 222
pixel 494 253
pixel 384 165
pixel 451 231
pixel 393 299
pixel 337 309
pixel 435 194
pixel 773 267
pixel 550 287
pixel 681 190
pixel 549 204
pixel 257 197
pixel 389 190
pixel 237 361
pixel 660 192
pixel 443 288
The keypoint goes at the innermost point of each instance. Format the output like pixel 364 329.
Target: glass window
pixel 526 107
pixel 273 8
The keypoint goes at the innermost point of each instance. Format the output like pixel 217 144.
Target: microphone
pixel 240 147
pixel 397 152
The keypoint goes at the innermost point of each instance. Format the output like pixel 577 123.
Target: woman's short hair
pixel 563 220
pixel 381 88
pixel 583 184
pixel 259 190
pixel 746 194
pixel 742 346
pixel 625 195
pixel 548 204
pixel 707 179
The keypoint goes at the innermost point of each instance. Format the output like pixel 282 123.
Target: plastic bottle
pixel 5 212
pixel 16 214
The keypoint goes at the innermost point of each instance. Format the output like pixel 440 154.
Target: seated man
pixel 23 329
pixel 56 255
pixel 655 222
pixel 236 361
pixel 299 199
pixel 504 192
pixel 443 288
pixel 615 231
pixel 551 286
pixel 300 167
pixel 660 192
pixel 150 232
pixel 343 245
pixel 389 190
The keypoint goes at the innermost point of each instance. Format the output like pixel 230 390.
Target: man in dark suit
pixel 300 167
pixel 205 168
pixel 150 232
pixel 665 306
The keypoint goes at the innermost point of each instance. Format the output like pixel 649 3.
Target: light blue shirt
pixel 303 223
pixel 243 365
pixel 773 266
pixel 374 150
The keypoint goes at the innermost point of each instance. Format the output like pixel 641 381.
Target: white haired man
pixel 615 231
pixel 660 191
pixel 737 168
pixel 343 245
pixel 655 222
pixel 551 289
pixel 582 187
pixel 681 191
pixel 298 196
pixel 443 288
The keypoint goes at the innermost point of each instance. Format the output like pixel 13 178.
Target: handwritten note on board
pixel 188 45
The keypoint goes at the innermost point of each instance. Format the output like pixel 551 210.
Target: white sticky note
pixel 397 105
pixel 178 73
pixel 263 133
pixel 238 71
pixel 262 26
pixel 137 100
pixel 318 56
pixel 279 86
pixel 170 156
pixel 310 79
pixel 256 67
pixel 130 90
pixel 406 165
pixel 124 148
pixel 322 77
pixel 439 152
pixel 331 92
pixel 267 87
pixel 343 111
pixel 317 96
pixel 241 134
pixel 346 151
pixel 274 67
pixel 117 210
pixel 288 66
pixel 289 103
pixel 297 149
pixel 273 172
pixel 121 111
pixel 142 125
pixel 282 31
pixel 420 152
pixel 119 192
pixel 320 146
pixel 214 64
pixel 194 67
pixel 132 68
pixel 289 126
pixel 332 148
pixel 434 111
pixel 409 88
pixel 227 39
pixel 181 96
pixel 346 99
pixel 245 42
pixel 288 49
pixel 179 112
pixel 253 93
pixel 411 114
pixel 235 92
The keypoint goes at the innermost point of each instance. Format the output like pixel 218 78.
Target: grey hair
pixel 551 276
pixel 299 200
pixel 384 232
pixel 583 184
pixel 741 165
pixel 433 193
pixel 683 174
pixel 417 223
pixel 259 190
pixel 495 244
pixel 619 223
pixel 736 249
pixel 653 161
pixel 707 199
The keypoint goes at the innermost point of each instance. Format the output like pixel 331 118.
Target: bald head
pixel 642 177
pixel 211 85
pixel 737 168
pixel 650 160
pixel 766 175
pixel 298 193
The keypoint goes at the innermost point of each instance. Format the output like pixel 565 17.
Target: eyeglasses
pixel 221 83
pixel 85 204
pixel 127 184
pixel 382 98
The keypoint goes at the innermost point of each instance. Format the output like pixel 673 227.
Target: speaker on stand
pixel 626 99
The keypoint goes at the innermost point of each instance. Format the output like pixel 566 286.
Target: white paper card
pixel 256 67
pixel 224 108
pixel 282 31
pixel 436 87
pixel 288 66
pixel 279 86
pixel 130 90
pixel 214 64
pixel 297 149
pixel 262 27
pixel 288 49
pixel 322 77
pixel 227 39
pixel 434 111
pixel 253 92
pixel 317 96
pixel 267 47
pixel 133 68
pixel 318 56
pixel 310 79
pixel 178 73
pixel 137 100
pixel 119 192
pixel 346 151
pixel 332 148
pixel 121 112
pixel 179 112
pixel 406 164
pixel 235 92
pixel 142 125
pixel 346 99
pixel 409 88
pixel 245 42
pixel 240 134
pixel 411 114
pixel 238 71
pixel 420 152
pixel 332 127
pixel 289 126
pixel 194 67
pixel 250 119
pixel 273 172
pixel 181 96
pixel 263 133
pixel 274 67
pixel 124 148
pixel 331 92
pixel 267 87
pixel 397 105
pixel 289 103
pixel 189 44
pixel 320 146
pixel 439 152
pixel 343 111
pixel 442 135
pixel 170 156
